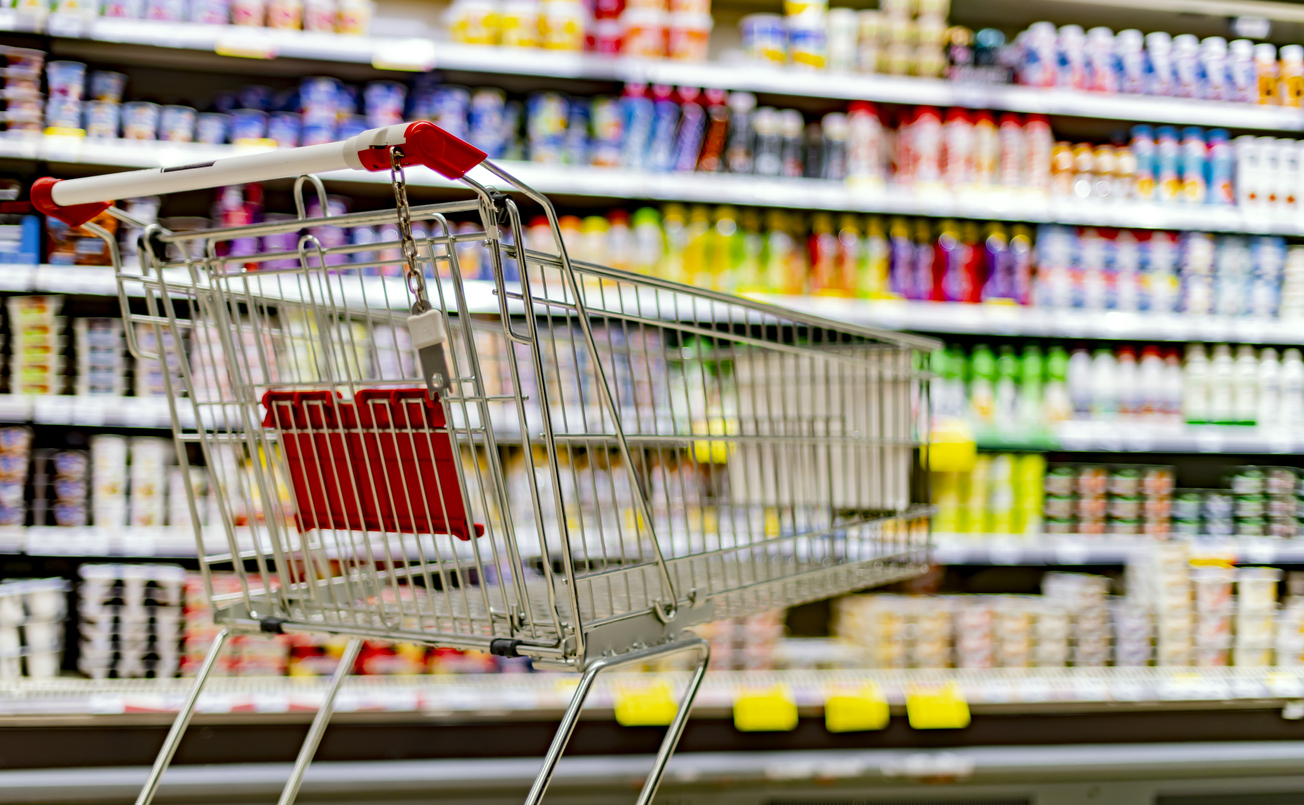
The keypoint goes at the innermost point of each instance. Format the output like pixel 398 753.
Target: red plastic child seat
pixel 384 462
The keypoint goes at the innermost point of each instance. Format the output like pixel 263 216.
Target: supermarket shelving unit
pixel 1240 726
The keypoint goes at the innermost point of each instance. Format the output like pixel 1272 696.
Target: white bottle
pixel 1153 402
pixel 1246 393
pixel 1126 379
pixel 1292 388
pixel 1104 385
pixel 1174 386
pixel 1269 389
pixel 1080 383
pixel 1195 385
pixel 1222 381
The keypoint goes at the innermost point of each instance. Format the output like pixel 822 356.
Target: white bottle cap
pixel 1042 29
pixel 1292 53
pixel 1100 34
pixel 1214 44
pixel 1265 51
pixel 1241 47
pixel 1128 39
pixel 1186 42
pixel 1158 40
pixel 1071 33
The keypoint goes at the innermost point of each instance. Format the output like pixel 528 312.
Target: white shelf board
pixel 1082 549
pixel 425 54
pixel 513 695
pixel 1139 436
pixel 814 194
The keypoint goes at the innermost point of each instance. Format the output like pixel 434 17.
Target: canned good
pixel 1188 506
pixel 1125 482
pixel 765 38
pixel 1093 479
pixel 1251 527
pixel 1218 505
pixel 1061 481
pixel 1124 507
pixel 285 128
pixel 1248 481
pixel 1249 506
pixel 107 86
pixel 1053 525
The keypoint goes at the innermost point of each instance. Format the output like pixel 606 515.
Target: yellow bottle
pixel 675 224
pixel 753 248
pixel 872 280
pixel 696 241
pixel 724 254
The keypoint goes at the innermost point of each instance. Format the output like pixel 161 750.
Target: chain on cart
pixel 566 462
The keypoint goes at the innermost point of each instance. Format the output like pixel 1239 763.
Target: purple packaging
pixel 283 127
pixel 449 108
pixel 248 124
pixel 140 121
pixel 608 123
pixel 901 266
pixel 177 124
pixel 576 149
pixel 486 129
pixel 210 12
pixel 661 148
pixel 365 260
pixel 102 118
pixel 688 139
pixel 316 132
pixel 107 85
pixel 254 96
pixel 349 127
pixel 1000 268
pixel 328 235
pixel 1213 70
pixel 638 114
pixel 63 113
pixel 319 95
pixel 281 242
pixel 165 10
pixel 384 102
pixel 1188 80
pixel 66 79
pixel 211 128
pixel 226 101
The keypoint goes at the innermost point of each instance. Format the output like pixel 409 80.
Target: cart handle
pixel 76 201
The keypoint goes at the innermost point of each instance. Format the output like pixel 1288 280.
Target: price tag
pixel 645 705
pixel 940 707
pixel 1284 685
pixel 245 42
pixel 856 710
pixel 88 411
pixel 1208 440
pixel 410 55
pixel 770 710
pixel 15 408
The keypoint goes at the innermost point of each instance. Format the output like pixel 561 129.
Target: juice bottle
pixel 753 246
pixel 850 245
pixel 696 242
pixel 1031 403
pixel 726 249
pixel 675 226
pixel 1056 405
pixel 873 271
pixel 982 386
pixel 778 252
pixel 620 241
pixel 901 259
pixel 649 241
pixel 1007 390
pixel 927 283
pixel 822 248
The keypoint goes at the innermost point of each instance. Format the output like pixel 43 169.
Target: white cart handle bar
pixel 76 201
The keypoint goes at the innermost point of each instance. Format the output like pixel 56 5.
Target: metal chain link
pixel 416 278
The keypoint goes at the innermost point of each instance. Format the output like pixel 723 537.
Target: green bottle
pixel 982 386
pixel 1057 406
pixel 1007 389
pixel 1031 372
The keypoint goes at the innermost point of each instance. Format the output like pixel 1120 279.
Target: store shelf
pixel 1086 549
pixel 506 696
pixel 424 54
pixel 1139 436
pixel 1014 320
pixel 813 194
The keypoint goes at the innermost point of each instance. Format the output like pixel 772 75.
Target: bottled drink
pixel 1269 413
pixel 1195 391
pixel 1246 394
pixel 1222 382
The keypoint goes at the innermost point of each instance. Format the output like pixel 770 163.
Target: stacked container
pixel 101 360
pixel 130 620
pixel 15 459
pixel 32 616
pixel 36 347
pixel 1084 596
pixel 1256 615
pixel 150 457
pixel 22 91
pixel 109 480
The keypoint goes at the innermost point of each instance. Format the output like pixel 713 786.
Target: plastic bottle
pixel 1159 64
pixel 1056 405
pixel 1195 385
pixel 1269 411
pixel 822 248
pixel 1079 383
pixel 1216 82
pixel 1186 66
pixel 865 145
pixel 901 259
pixel 982 386
pixel 1038 142
pixel 768 148
pixel 1292 388
pixel 986 149
pixel 1290 83
pixel 675 226
pixel 952 401
pixel 1222 385
pixel 1021 263
pixel 1032 404
pixel 1246 394
pixel 1173 386
pixel 1151 385
pixel 1127 381
pixel 1010 172
pixel 620 241
pixel 873 281
pixel 1143 149
pixel 1104 385
pixel 1071 58
pixel 1195 154
pixel 738 154
pixel 957 148
pixel 1266 73
pixel 725 250
pixel 926 267
pixel 1007 390
pixel 1131 60
pixel 1222 168
pixel 1168 179
pixel 1243 83
pixel 753 240
pixel 792 128
pixel 1102 69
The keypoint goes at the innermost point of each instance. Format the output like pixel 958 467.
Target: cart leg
pixel 182 721
pixel 319 722
pixel 571 717
pixel 676 729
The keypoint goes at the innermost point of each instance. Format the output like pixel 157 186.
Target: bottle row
pixel 1013 392
pixel 322 16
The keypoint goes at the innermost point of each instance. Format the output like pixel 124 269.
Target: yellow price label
pixel 770 710
pixel 858 710
pixel 937 707
pixel 645 706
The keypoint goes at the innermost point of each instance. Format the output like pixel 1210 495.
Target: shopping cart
pixel 447 437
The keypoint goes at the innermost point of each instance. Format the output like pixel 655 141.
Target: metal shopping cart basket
pixel 450 438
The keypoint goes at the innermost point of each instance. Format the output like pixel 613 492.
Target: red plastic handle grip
pixel 427 144
pixel 72 215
